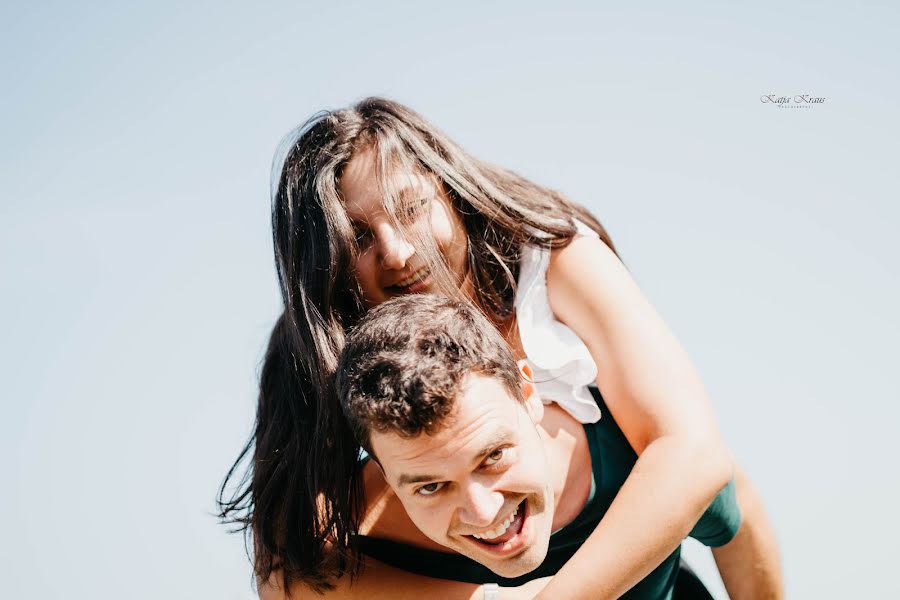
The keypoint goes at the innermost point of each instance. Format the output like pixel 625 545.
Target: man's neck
pixel 570 461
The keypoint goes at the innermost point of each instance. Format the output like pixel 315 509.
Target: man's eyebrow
pixel 500 438
pixel 406 479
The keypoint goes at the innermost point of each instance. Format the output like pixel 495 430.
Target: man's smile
pixel 507 538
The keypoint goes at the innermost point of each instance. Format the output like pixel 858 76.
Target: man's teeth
pixel 412 278
pixel 497 531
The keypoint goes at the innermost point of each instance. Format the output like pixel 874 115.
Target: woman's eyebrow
pixel 414 197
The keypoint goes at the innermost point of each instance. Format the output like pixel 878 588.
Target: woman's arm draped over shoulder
pixel 658 400
pixel 378 581
pixel 750 564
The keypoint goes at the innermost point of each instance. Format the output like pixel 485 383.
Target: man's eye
pixel 495 456
pixel 429 488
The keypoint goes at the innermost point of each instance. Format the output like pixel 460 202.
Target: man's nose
pixel 480 505
pixel 393 249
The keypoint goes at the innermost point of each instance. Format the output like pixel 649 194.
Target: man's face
pixel 481 485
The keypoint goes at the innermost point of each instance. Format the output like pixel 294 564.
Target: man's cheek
pixel 421 520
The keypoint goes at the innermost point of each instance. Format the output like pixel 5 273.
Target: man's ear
pixel 533 403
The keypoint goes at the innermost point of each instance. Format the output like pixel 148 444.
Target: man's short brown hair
pixel 403 364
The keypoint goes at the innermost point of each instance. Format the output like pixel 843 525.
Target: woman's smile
pixel 419 281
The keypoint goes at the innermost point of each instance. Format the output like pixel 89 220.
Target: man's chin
pixel 521 554
pixel 515 565
pixel 520 565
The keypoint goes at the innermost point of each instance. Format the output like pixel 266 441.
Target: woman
pixel 371 202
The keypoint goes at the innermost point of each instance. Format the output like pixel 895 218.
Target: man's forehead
pixel 485 416
pixel 446 440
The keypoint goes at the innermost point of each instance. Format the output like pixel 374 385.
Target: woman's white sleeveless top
pixel 562 364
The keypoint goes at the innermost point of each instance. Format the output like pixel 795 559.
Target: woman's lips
pixel 418 281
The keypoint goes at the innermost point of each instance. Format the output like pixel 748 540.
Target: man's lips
pixel 499 527
pixel 509 541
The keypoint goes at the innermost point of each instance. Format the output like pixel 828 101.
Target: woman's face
pixel 388 264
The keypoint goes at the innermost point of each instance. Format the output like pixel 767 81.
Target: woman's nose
pixel 481 505
pixel 393 249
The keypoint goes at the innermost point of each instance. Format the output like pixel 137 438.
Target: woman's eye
pixel 495 456
pixel 429 488
pixel 363 238
pixel 412 210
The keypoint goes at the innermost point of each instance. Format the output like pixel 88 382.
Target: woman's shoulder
pixel 562 364
pixel 535 262
pixel 587 272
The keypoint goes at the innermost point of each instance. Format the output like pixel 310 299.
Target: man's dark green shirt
pixel 612 459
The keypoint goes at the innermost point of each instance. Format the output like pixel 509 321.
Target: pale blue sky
pixel 137 285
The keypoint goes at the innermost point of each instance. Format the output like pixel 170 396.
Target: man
pixel 468 459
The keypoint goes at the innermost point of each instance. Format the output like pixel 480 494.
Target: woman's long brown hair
pixel 299 492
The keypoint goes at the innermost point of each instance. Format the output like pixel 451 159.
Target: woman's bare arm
pixel 750 564
pixel 379 581
pixel 656 396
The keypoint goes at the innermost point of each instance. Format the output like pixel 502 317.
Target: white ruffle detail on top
pixel 562 365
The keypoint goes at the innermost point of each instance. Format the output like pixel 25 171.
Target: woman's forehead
pixel 362 188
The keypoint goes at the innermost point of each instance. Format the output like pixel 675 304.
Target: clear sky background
pixel 137 286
